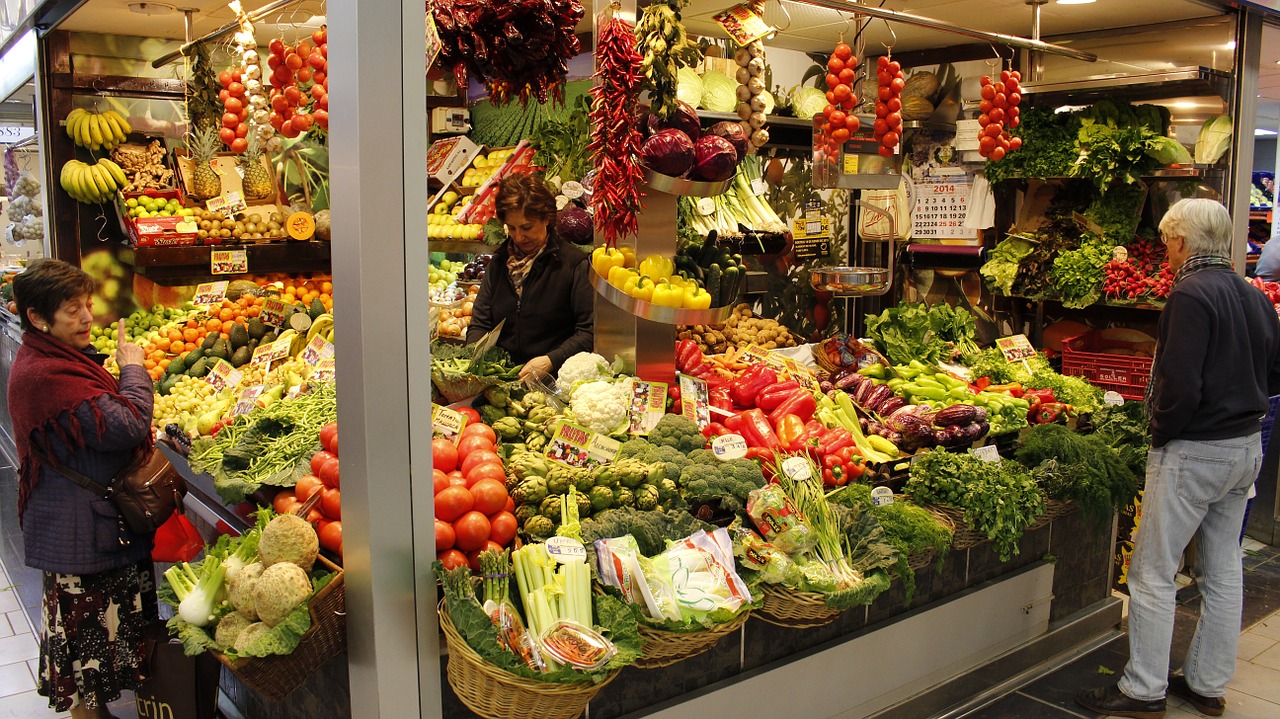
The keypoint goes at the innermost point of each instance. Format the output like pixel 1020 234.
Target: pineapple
pixel 205 182
pixel 257 184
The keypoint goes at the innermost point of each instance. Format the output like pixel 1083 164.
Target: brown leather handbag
pixel 145 493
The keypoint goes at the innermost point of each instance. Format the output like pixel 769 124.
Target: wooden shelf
pixel 465 247
pixel 1260 215
pixel 191 263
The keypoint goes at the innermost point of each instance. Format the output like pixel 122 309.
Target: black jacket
pixel 555 315
pixel 1217 361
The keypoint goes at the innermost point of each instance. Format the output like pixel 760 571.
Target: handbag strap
pixel 71 474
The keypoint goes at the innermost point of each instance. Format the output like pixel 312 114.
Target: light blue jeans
pixel 1190 486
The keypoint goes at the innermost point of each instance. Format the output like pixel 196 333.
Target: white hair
pixel 1203 224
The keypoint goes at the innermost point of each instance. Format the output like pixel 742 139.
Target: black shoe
pixel 1212 706
pixel 1113 702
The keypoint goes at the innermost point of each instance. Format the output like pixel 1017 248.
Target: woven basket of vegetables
pixel 663 648
pixel 457 376
pixel 1054 509
pixel 785 607
pixel 965 537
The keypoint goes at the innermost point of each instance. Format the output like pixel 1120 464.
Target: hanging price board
pixel 223 375
pixel 742 24
pixel 1016 348
pixel 940 211
pixel 275 312
pixel 210 293
pixel 228 262
pixel 580 447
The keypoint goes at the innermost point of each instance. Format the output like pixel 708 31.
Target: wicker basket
pixel 785 607
pixel 1054 508
pixel 276 677
pixel 456 388
pixel 663 648
pixel 496 694
pixel 964 536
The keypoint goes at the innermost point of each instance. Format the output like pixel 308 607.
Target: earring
pixel 45 328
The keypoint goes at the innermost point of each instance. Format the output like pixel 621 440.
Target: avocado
pixel 236 288
pixel 175 368
pixel 194 356
pixel 220 349
pixel 269 337
pixel 256 328
pixel 241 357
pixel 209 341
pixel 253 345
pixel 199 369
pixel 166 385
pixel 316 309
pixel 239 336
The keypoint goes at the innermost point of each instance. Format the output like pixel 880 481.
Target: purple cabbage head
pixel 715 159
pixel 683 118
pixel 733 132
pixel 669 152
pixel 573 224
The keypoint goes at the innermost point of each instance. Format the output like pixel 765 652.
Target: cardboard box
pixel 224 164
pixel 157 231
pixel 448 157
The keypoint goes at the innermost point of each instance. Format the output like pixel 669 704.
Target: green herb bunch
pixel 1077 275
pixel 1079 467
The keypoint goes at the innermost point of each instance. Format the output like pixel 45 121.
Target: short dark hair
pixel 45 285
pixel 525 192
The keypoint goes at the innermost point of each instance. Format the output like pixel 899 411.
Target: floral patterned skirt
pixel 92 634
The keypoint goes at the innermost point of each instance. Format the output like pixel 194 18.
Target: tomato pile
pixel 887 129
pixel 842 77
pixel 326 515
pixel 300 84
pixel 1270 289
pixel 235 116
pixel 473 511
pixel 999 105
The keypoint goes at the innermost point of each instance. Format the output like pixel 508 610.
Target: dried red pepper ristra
pixel 615 141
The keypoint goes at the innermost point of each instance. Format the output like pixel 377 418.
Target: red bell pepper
pixel 720 398
pixel 757 430
pixel 770 397
pixel 750 383
pixel 800 403
pixel 835 440
pixel 1039 396
pixel 735 424
pixel 982 383
pixel 688 355
pixel 790 433
pixel 714 429
pixel 766 459
pixel 833 472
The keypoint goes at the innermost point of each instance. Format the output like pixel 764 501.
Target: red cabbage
pixel 733 132
pixel 715 160
pixel 573 224
pixel 668 152
pixel 683 118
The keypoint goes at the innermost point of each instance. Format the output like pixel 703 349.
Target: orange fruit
pixel 150 364
pixel 213 324
pixel 326 287
pixel 190 334
pixel 255 311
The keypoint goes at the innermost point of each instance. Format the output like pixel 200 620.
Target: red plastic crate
pixel 1084 356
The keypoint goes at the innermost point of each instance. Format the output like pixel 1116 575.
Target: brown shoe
pixel 1212 706
pixel 1113 702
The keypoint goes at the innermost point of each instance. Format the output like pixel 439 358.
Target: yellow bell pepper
pixel 678 281
pixel 619 275
pixel 604 259
pixel 696 298
pixel 657 267
pixel 666 294
pixel 628 255
pixel 639 287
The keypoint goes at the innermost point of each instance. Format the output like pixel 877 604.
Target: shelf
pixel 686 188
pixel 784 130
pixel 1185 172
pixel 658 313
pixel 192 262
pixel 465 247
pixel 1117 304
pixel 1260 215
pixel 1177 82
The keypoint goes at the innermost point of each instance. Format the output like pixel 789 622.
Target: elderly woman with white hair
pixel 1217 361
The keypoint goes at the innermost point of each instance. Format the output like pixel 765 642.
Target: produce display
pixel 299 84
pixel 26 209
pixel 145 168
pixel 94 130
pixel 1270 289
pixel 442 223
pixel 667 48
pixel 326 514
pixel 454 321
pixel 740 331
pixel 999 106
pixel 754 100
pixel 473 510
pixel 92 184
pixel 738 208
pixel 615 137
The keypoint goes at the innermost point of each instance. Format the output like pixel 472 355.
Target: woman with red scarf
pixel 68 411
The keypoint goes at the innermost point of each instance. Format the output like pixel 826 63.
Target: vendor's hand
pixel 536 367
pixel 127 353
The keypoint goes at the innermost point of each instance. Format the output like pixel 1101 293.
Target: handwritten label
pixel 759 187
pixel 566 550
pixel 573 189
pixel 223 375
pixel 228 262
pixel 324 370
pixel 797 468
pixel 940 211
pixel 275 312
pixel 1111 398
pixel 228 204
pixel 648 405
pixel 706 206
pixel 210 293
pixel 881 497
pixel 1016 348
pixel 967 137
pixel 269 353
pixel 447 423
pixel 695 400
pixel 248 399
pixel 987 453
pixel 742 24
pixel 580 447
pixel 317 349
pixel 729 446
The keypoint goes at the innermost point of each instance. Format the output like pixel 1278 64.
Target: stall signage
pixel 275 312
pixel 967 135
pixel 223 375
pixel 801 374
pixel 434 44
pixel 267 354
pixel 317 349
pixel 811 232
pixel 324 370
pixel 881 497
pixel 940 211
pixel 695 400
pixel 210 293
pixel 228 262
pixel 447 423
pixel 566 550
pixel 743 24
pixel 648 405
pixel 987 453
pixel 248 399
pixel 1016 348
pixel 580 447
pixel 227 204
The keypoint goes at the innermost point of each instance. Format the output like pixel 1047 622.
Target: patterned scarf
pixel 518 267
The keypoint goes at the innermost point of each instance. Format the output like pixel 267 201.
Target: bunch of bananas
pixel 94 130
pixel 323 326
pixel 92 184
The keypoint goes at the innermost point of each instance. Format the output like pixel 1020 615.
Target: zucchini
pixel 714 283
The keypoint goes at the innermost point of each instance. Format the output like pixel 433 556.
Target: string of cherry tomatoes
pixel 839 121
pixel 235 115
pixel 999 106
pixel 300 84
pixel 887 129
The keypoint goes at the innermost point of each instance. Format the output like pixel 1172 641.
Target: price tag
pixel 275 312
pixel 248 399
pixel 300 226
pixel 695 400
pixel 210 293
pixel 706 206
pixel 447 423
pixel 1016 348
pixel 223 375
pixel 228 262
pixel 1112 398
pixel 881 497
pixel 798 373
pixel 580 447
pixel 729 446
pixel 648 405
pixel 566 550
pixel 324 370
pixel 317 349
pixel 1120 253
pixel 759 187
pixel 743 24
pixel 227 204
pixel 967 135
pixel 434 44
pixel 850 164
pixel 797 468
pixel 987 453
pixel 572 189
pixel 267 354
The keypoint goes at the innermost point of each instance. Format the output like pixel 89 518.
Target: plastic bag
pixel 778 520
pixel 774 566
pixel 512 634
pixel 621 565
pixel 177 540
pixel 703 575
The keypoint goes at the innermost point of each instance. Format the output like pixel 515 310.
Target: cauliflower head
pixel 281 589
pixel 601 406
pixel 249 635
pixel 229 629
pixel 240 590
pixel 582 367
pixel 289 538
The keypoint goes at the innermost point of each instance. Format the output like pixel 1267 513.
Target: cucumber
pixel 729 285
pixel 707 255
pixel 714 283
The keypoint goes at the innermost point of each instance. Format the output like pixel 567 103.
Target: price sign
pixel 648 405
pixel 324 370
pixel 268 354
pixel 940 211
pixel 227 204
pixel 317 349
pixel 434 44
pixel 1112 398
pixel 1016 348
pixel 580 447
pixel 447 423
pixel 223 375
pixel 967 135
pixel 729 446
pixel 881 497
pixel 248 399
pixel 706 206
pixel 801 374
pixel 695 400
pixel 228 262
pixel 797 468
pixel 210 293
pixel 742 24
pixel 759 187
pixel 987 453
pixel 566 550
pixel 275 312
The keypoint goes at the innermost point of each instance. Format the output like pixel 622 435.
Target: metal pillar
pixel 378 175
pixel 1244 103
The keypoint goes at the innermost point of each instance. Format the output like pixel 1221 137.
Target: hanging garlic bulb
pixel 751 108
pixel 247 47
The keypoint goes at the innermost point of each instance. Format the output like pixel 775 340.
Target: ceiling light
pixel 152 8
pixel 1260 132
pixel 1075 2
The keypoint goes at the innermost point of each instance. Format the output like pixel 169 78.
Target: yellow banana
pixel 64 179
pixel 125 128
pixel 73 181
pixel 91 190
pixel 322 324
pixel 100 180
pixel 109 178
pixel 83 139
pixel 117 173
pixel 73 118
pixel 95 131
pixel 109 119
pixel 77 182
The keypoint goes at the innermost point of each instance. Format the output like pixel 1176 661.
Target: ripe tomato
pixel 473 417
pixel 444 535
pixel 317 460
pixel 502 528
pixel 473 557
pixel 331 537
pixel 307 486
pixel 511 506
pixel 453 502
pixel 285 502
pixel 452 559
pixel 478 457
pixel 835 64
pixel 490 496
pixel 474 443
pixel 481 429
pixel 444 456
pixel 844 52
pixel 472 530
pixel 329 472
pixel 329 437
pixel 457 480
pixel 331 504
pixel 440 479
pixel 488 470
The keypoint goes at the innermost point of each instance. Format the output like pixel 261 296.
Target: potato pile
pixel 741 329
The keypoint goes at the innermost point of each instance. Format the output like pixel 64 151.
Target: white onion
pixel 756 120
pixel 756 66
pixel 755 85
pixel 757 103
pixel 760 137
pixel 755 48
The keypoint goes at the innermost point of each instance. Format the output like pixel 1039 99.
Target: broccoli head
pixel 671 459
pixel 676 431
pixel 704 456
pixel 634 447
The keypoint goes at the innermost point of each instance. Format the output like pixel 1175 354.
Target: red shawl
pixel 50 379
